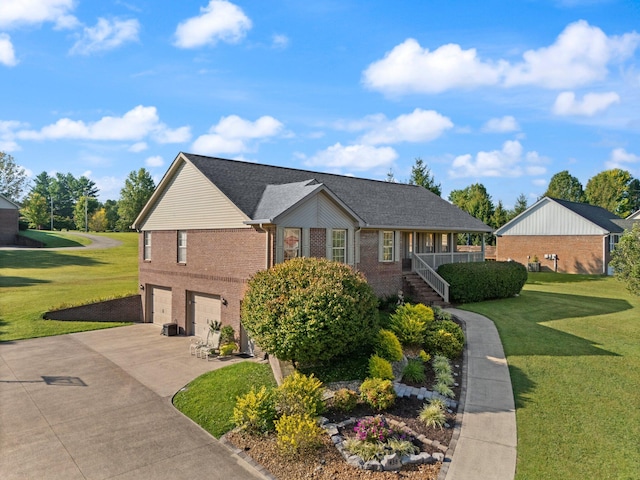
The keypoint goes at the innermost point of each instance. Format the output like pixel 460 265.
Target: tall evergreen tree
pixel 421 175
pixel 137 190
pixel 521 205
pixel 475 200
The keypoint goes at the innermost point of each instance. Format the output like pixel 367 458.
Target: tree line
pixel 62 201
pixel 614 190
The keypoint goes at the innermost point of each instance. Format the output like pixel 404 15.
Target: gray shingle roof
pixel 377 203
pixel 598 215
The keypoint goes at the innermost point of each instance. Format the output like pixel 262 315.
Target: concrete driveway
pixel 97 405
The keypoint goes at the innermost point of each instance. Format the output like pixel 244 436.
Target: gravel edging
pixel 246 457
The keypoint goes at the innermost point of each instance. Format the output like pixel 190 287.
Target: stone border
pixel 389 462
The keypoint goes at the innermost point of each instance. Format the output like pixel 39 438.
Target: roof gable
pixel 550 216
pixel 5 203
pixel 378 204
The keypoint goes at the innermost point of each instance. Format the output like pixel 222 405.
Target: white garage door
pixel 205 309
pixel 161 305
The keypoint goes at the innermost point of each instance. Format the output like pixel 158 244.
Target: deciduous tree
pixel 625 259
pixel 138 188
pixel 13 178
pixel 565 186
pixel 35 210
pixel 611 190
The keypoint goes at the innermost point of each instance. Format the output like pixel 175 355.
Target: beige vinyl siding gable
pixel 551 218
pixel 190 201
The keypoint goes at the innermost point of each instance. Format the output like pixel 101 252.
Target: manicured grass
pixel 56 239
pixel 34 281
pixel 573 347
pixel 210 398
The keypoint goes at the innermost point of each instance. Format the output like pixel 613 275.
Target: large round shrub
pixel 310 310
pixel 478 281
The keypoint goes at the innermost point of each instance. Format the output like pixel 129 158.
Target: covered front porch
pixel 424 252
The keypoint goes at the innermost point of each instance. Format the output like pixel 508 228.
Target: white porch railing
pixel 434 260
pixel 429 275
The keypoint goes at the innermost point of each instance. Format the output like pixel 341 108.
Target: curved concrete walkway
pixel 486 446
pixel 97 405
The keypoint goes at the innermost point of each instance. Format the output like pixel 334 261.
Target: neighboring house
pixel 211 224
pixel 634 216
pixel 566 237
pixel 9 216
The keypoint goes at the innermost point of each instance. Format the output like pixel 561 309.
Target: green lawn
pixel 210 398
pixel 573 347
pixel 34 281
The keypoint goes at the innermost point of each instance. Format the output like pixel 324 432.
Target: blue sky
pixel 505 93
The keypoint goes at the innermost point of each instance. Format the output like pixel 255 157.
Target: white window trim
pixel 345 248
pixel 394 249
pixel 182 249
pixel 146 249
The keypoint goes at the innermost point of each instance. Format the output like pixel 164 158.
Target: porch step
pixel 421 292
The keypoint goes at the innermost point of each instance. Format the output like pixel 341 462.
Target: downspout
pixel 604 254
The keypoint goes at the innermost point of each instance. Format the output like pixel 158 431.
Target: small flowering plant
pixel 376 429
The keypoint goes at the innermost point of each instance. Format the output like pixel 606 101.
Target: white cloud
pixel 353 157
pixel 501 125
pixel 178 135
pixel 409 68
pixel 592 103
pixel 580 55
pixel 138 147
pixel 280 41
pixel 15 13
pixel 418 126
pixel 507 162
pixel 622 159
pixel 539 182
pixel 218 21
pixel 233 134
pixel 155 161
pixel 136 124
pixel 106 35
pixel 7 135
pixel 7 54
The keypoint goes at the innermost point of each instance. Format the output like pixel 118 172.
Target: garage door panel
pixel 160 305
pixel 205 309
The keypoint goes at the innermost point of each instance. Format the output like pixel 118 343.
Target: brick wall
pixel 8 225
pixel 318 242
pixel 576 253
pixel 126 309
pixel 219 262
pixel 384 277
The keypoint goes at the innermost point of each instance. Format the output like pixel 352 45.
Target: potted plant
pixel 228 343
pixel 534 264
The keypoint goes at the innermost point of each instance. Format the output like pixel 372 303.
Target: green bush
pixel 310 310
pixel 380 368
pixel 300 394
pixel 255 412
pixel 379 394
pixel 345 400
pixel 440 314
pixel 414 372
pixel 475 282
pixel 409 323
pixel 227 335
pixel 445 337
pixel 298 433
pixel 443 389
pixel 424 356
pixel 388 346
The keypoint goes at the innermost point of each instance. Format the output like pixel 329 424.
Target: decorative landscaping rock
pixel 372 465
pixel 391 462
pixel 355 461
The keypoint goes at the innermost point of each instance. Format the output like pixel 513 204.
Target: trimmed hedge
pixel 475 282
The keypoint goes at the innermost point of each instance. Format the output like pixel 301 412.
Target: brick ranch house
pixel 212 223
pixel 566 237
pixel 9 216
